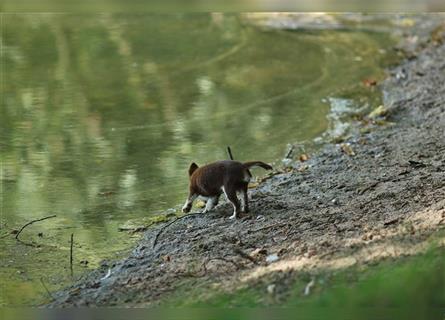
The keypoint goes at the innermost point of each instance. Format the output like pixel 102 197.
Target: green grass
pixel 408 287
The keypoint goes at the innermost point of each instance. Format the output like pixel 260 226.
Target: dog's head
pixel 192 168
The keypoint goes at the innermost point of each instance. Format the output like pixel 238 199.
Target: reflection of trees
pixel 89 99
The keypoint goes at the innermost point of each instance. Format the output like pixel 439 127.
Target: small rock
pixel 258 251
pixel 271 288
pixel 286 162
pixel 272 258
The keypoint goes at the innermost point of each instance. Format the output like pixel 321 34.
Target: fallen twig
pixel 134 230
pixel 31 222
pixel 155 241
pixel 204 265
pixel 362 191
pixel 390 222
pixel 269 226
pixel 245 255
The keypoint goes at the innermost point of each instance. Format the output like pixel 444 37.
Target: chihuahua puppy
pixel 226 176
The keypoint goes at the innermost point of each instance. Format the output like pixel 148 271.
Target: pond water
pixel 102 114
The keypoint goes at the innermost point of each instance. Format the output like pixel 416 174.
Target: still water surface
pixel 102 114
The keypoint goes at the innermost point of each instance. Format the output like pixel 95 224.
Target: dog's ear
pixel 192 168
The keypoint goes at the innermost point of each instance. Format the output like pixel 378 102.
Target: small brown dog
pixel 226 176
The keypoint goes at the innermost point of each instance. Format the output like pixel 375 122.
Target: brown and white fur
pixel 226 176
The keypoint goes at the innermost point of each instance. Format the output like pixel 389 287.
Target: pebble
pixel 271 288
pixel 272 258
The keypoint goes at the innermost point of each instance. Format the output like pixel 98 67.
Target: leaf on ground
pixel 346 148
pixel 365 130
pixel 438 34
pixel 407 22
pixel 380 111
pixel 200 204
pixel 370 82
pixel 304 157
pixel 253 185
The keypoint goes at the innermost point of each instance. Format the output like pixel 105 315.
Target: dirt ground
pixel 381 193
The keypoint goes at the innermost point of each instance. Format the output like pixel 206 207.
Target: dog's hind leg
pixel 211 203
pixel 230 193
pixel 244 199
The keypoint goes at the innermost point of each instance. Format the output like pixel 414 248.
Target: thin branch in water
pixel 71 254
pixel 289 152
pixel 170 223
pixel 31 222
pixel 229 151
pixel 46 289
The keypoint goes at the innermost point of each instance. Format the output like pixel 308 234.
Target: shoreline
pixel 383 188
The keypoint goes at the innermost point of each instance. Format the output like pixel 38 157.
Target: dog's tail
pixel 261 164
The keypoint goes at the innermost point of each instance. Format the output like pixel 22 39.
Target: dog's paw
pixel 234 216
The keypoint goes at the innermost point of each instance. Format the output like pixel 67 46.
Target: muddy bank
pixel 379 193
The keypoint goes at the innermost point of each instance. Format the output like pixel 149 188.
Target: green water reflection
pixel 102 114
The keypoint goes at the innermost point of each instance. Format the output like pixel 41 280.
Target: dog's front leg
pixel 189 202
